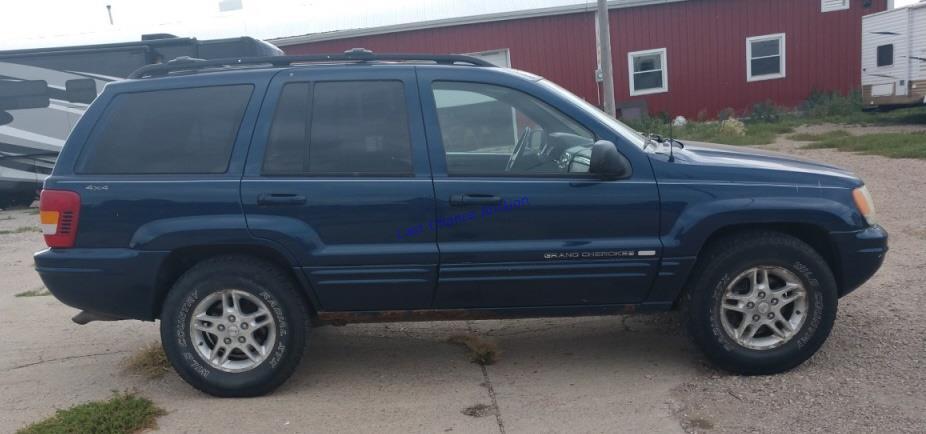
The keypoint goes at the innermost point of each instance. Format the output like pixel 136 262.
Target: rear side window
pixel 340 128
pixel 175 131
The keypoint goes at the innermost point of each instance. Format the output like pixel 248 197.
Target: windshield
pixel 619 127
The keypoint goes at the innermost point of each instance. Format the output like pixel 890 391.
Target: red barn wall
pixel 705 42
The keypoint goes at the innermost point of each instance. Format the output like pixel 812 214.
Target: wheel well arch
pixel 182 259
pixel 815 236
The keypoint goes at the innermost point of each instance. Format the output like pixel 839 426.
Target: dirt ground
pixel 607 374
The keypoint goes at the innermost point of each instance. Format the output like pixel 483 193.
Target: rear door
pixel 520 222
pixel 338 174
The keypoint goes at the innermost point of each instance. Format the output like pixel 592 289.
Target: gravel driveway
pixel 608 374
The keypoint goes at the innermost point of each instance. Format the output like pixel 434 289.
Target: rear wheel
pixel 762 303
pixel 234 326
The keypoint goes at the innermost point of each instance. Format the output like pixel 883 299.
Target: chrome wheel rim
pixel 763 307
pixel 233 330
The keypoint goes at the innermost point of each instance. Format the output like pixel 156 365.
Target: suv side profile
pixel 241 201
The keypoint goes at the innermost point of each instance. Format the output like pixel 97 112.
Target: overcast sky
pixel 44 23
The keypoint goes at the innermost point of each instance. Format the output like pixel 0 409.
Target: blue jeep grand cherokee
pixel 241 201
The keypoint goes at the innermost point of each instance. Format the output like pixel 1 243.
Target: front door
pixel 520 221
pixel 338 174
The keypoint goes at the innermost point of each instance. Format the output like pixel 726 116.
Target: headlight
pixel 865 205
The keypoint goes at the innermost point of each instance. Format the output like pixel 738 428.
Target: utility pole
pixel 109 10
pixel 604 58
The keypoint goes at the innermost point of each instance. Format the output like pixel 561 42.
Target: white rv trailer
pixel 43 92
pixel 894 57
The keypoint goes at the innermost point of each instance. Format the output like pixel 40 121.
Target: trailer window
pixel 886 55
pixel 167 131
pixel 765 57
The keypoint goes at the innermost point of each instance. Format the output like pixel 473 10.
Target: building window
pixel 648 72
pixel 765 57
pixel 886 55
pixel 833 5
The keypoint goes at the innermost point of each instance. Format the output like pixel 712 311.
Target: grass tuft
pixel 811 137
pixel 20 230
pixel 891 145
pixel 481 351
pixel 37 292
pixel 479 410
pixel 149 362
pixel 123 413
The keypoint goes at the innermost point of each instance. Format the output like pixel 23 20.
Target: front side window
pixel 765 57
pixel 498 131
pixel 340 128
pixel 886 55
pixel 648 72
pixel 174 131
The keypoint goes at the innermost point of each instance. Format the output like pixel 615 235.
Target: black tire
pixel 262 279
pixel 726 259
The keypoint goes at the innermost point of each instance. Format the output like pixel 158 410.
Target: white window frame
pixel 830 6
pixel 664 61
pixel 782 53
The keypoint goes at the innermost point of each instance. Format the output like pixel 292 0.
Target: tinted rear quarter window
pixel 340 128
pixel 173 131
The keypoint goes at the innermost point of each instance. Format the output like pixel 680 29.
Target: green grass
pixel 892 145
pixel 37 292
pixel 123 413
pixel 20 230
pixel 755 133
pixel 810 137
pixel 829 109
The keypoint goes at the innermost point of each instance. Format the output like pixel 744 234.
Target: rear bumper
pixel 861 254
pixel 115 282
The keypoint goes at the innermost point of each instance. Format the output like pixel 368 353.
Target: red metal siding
pixel 705 42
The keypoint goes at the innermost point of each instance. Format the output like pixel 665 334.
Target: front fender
pixel 686 230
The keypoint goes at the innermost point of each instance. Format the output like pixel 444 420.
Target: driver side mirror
pixel 607 162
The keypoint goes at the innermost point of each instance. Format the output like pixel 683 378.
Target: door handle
pixel 474 199
pixel 280 199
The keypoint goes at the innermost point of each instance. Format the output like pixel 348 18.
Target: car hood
pixel 709 161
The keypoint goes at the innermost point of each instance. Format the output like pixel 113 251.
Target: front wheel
pixel 762 303
pixel 234 326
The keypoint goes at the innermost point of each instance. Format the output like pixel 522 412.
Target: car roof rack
pixel 355 55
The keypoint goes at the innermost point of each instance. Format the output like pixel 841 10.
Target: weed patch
pixel 891 145
pixel 20 230
pixel 149 362
pixel 123 413
pixel 37 292
pixel 481 351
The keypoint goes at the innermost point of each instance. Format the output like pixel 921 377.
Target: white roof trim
pixel 472 19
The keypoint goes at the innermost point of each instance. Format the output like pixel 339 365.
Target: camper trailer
pixel 43 92
pixel 894 58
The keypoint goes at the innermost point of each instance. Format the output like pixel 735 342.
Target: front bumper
pixel 120 283
pixel 861 254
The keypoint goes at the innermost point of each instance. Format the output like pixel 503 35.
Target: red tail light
pixel 59 211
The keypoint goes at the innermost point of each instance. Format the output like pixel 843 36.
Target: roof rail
pixel 359 55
